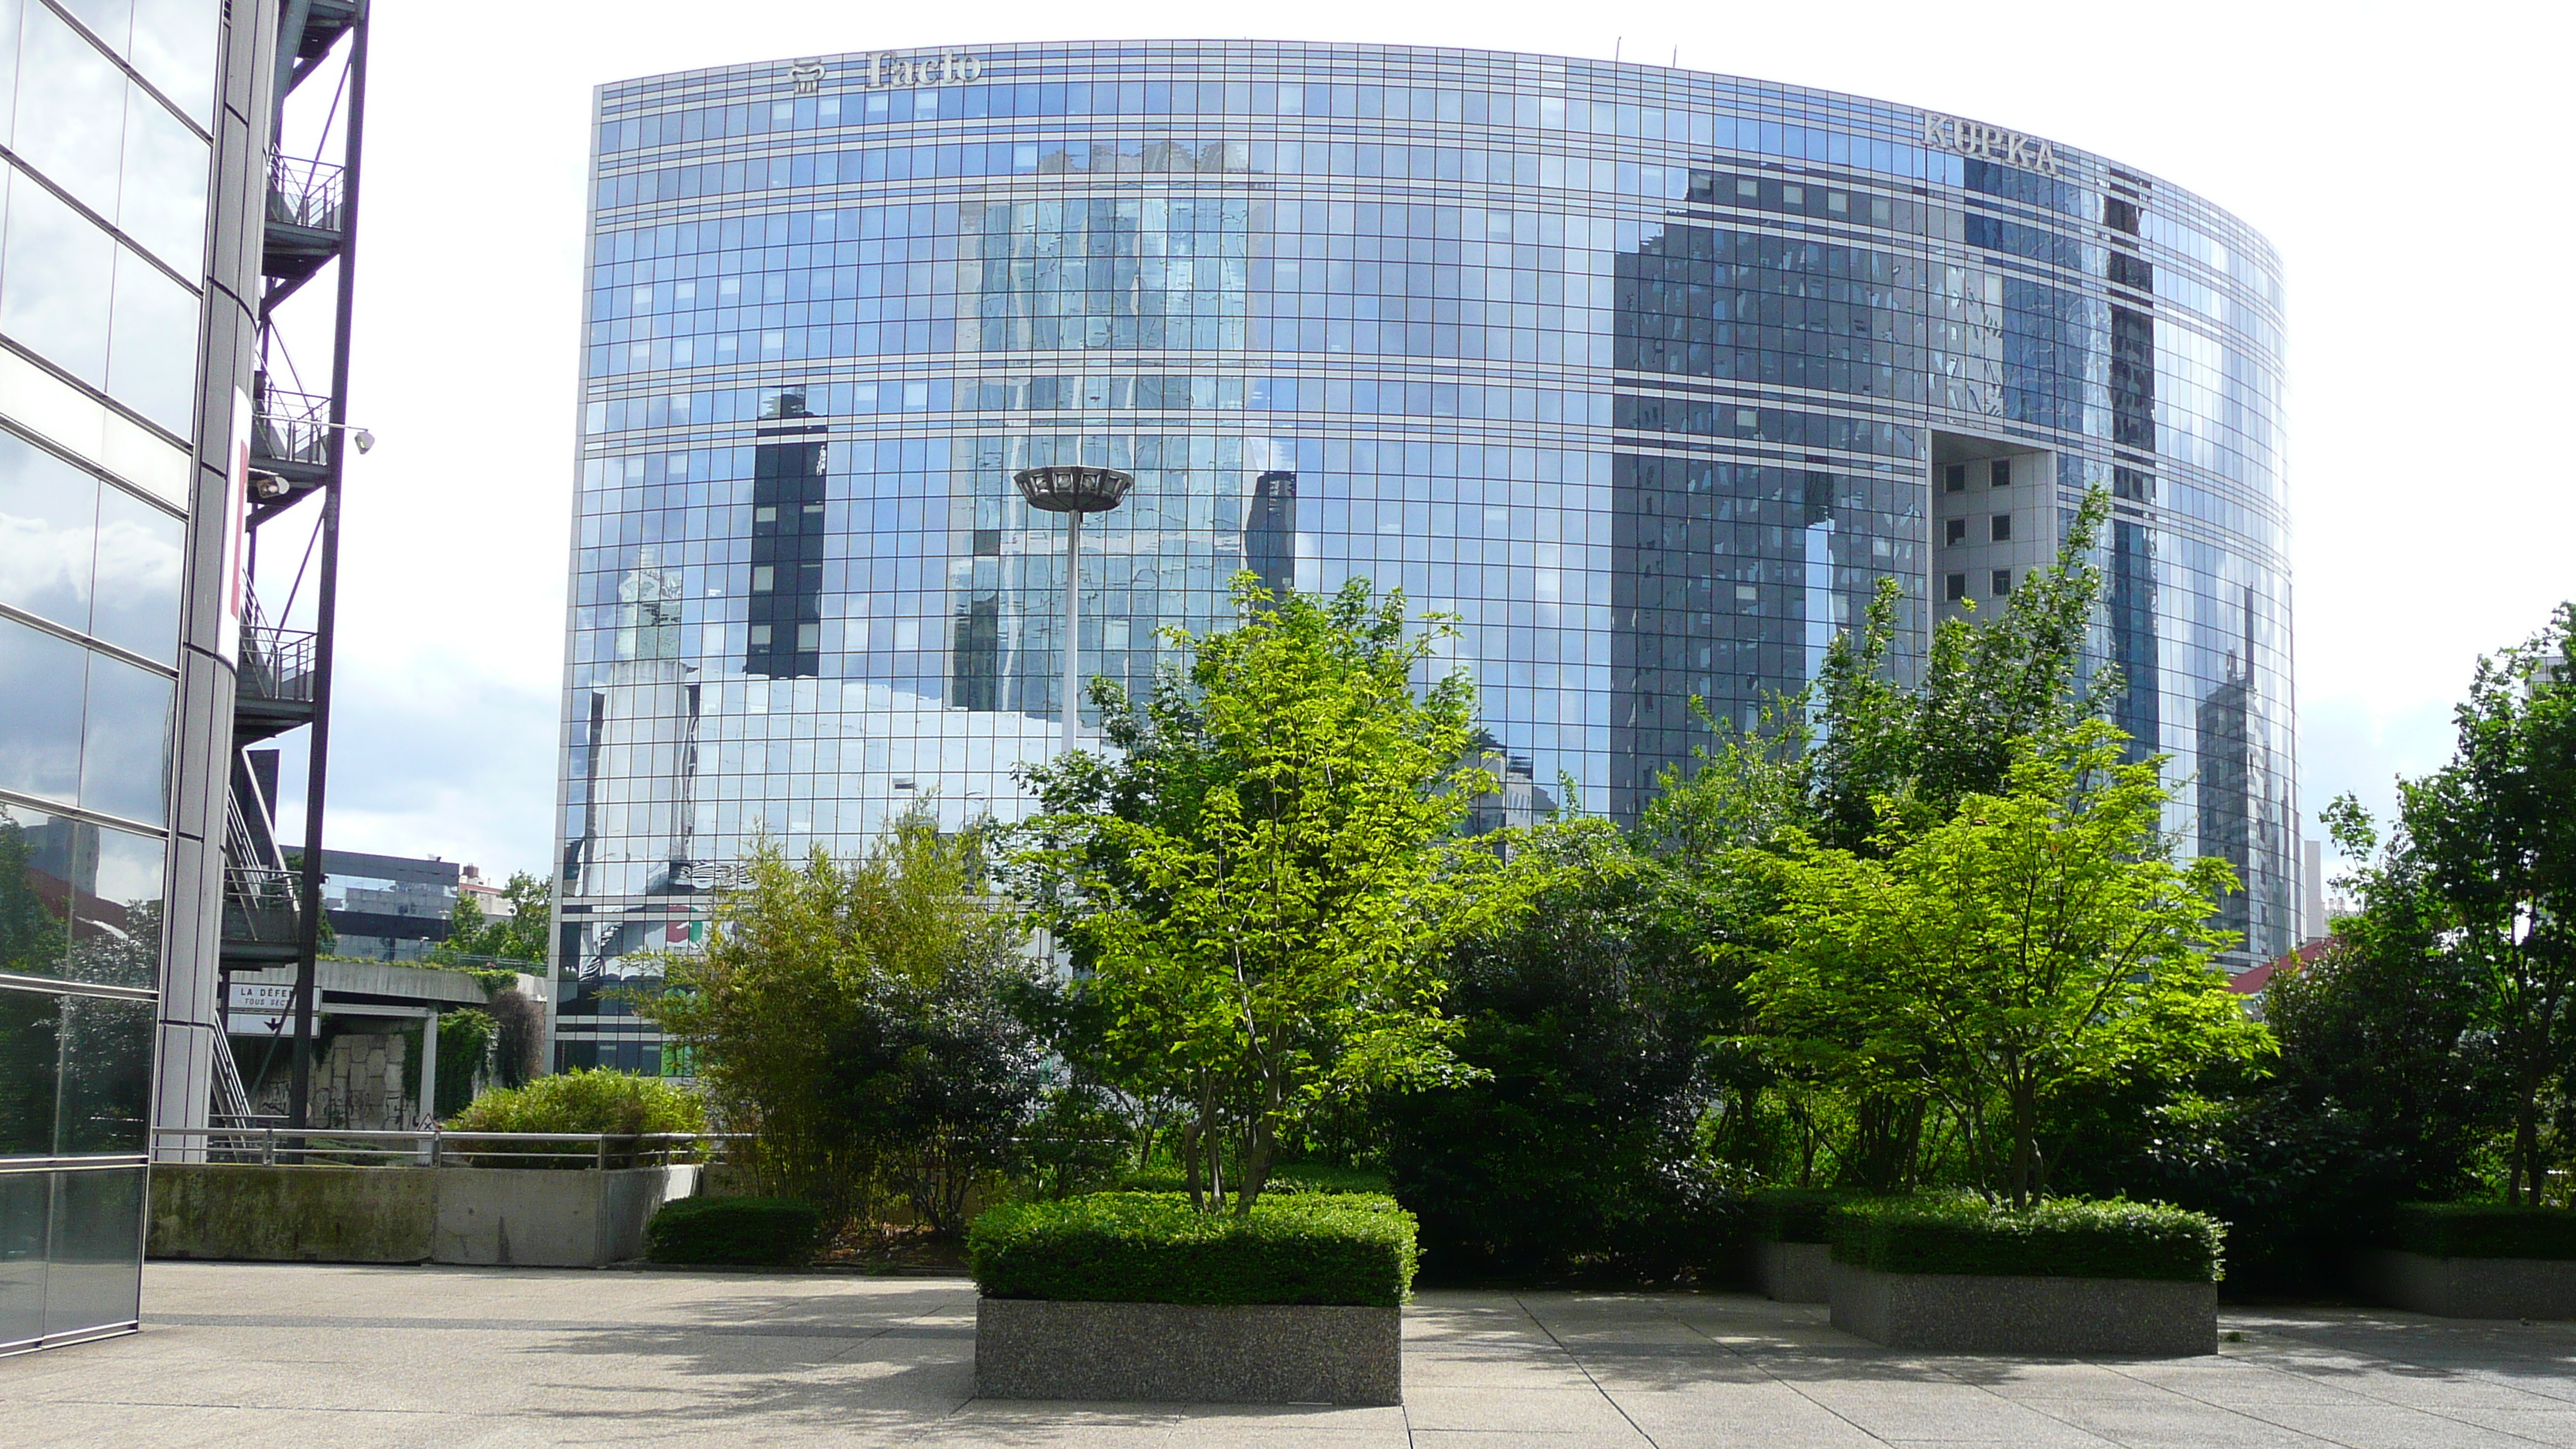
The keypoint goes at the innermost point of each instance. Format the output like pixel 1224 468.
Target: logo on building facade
pixel 1990 143
pixel 948 68
pixel 887 70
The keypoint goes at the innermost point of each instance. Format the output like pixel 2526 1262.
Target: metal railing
pixel 259 905
pixel 269 1145
pixel 276 664
pixel 304 193
pixel 291 427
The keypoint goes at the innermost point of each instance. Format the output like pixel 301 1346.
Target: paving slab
pixel 497 1358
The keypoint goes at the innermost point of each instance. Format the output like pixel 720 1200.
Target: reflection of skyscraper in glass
pixel 1270 531
pixel 1645 376
pixel 785 635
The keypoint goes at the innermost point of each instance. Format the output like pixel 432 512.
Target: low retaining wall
pixel 2471 1287
pixel 1791 1272
pixel 531 1217
pixel 1028 1348
pixel 1975 1313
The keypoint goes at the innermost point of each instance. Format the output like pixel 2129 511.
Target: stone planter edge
pixel 1981 1313
pixel 1264 1353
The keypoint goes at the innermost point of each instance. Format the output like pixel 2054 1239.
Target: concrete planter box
pixel 1792 1272
pixel 1029 1348
pixel 1975 1313
pixel 532 1217
pixel 2471 1287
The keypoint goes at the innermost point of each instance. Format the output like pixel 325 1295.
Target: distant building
pixel 388 907
pixel 487 897
pixel 1645 376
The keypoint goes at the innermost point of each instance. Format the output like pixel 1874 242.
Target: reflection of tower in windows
pixel 2132 602
pixel 2226 746
pixel 785 619
pixel 1270 532
pixel 640 790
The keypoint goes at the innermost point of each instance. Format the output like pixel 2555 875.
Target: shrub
pixel 618 1103
pixel 2053 1238
pixel 1794 1214
pixel 767 1231
pixel 1284 1178
pixel 1139 1247
pixel 2484 1230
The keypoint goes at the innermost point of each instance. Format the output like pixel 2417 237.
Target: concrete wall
pixel 1027 1348
pixel 1792 1272
pixel 533 1217
pixel 1978 1313
pixel 2471 1287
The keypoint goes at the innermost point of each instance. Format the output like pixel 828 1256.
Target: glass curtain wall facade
pixel 113 529
pixel 1647 375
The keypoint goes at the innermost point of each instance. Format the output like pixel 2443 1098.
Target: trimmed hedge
pixel 770 1232
pixel 1795 1214
pixel 1147 1247
pixel 2061 1238
pixel 2484 1230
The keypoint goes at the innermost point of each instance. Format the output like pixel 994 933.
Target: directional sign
pixel 262 996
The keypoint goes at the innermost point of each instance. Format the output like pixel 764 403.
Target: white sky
pixel 2410 162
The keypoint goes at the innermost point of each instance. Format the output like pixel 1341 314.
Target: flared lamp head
pixel 1074 487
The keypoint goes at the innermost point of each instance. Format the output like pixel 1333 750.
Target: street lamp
pixel 1073 489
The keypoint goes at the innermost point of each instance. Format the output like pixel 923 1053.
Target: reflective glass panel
pixel 42 678
pixel 94 1277
pixel 48 533
pixel 57 274
pixel 106 1078
pixel 125 741
pixel 141 553
pixel 71 111
pixel 152 345
pixel 30 1065
pixel 26 1211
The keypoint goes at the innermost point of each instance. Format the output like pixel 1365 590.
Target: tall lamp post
pixel 1073 489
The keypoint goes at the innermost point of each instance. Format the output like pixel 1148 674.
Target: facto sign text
pixel 886 70
pixel 1989 143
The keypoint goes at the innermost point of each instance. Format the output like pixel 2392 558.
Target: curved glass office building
pixel 1647 375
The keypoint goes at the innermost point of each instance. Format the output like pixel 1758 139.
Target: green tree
pixel 2496 829
pixel 518 936
pixel 1987 687
pixel 1578 1144
pixel 2037 944
pixel 1260 887
pixel 852 1017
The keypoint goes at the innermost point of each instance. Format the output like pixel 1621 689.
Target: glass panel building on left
pixel 124 323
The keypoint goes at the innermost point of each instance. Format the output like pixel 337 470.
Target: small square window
pixel 1793 196
pixel 2003 582
pixel 1747 186
pixel 809 636
pixel 1999 473
pixel 1955 587
pixel 760 633
pixel 1954 530
pixel 764 578
pixel 1837 202
pixel 1956 480
pixel 765 513
pixel 2003 528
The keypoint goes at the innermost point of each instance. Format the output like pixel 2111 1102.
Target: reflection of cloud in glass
pixel 55 278
pixel 40 676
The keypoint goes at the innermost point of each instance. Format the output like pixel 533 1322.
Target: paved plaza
pixel 300 1357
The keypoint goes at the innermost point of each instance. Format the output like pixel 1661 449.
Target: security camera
pixel 364 439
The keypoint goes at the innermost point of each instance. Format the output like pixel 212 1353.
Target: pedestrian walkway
pixel 309 1357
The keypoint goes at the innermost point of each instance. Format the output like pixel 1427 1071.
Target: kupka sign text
pixel 885 70
pixel 1989 143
